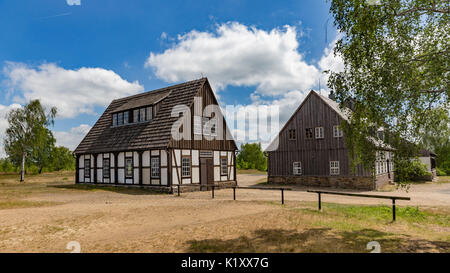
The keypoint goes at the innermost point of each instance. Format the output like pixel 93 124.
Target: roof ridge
pixel 162 89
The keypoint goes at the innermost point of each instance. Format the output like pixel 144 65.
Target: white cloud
pixel 238 55
pixel 72 138
pixel 330 61
pixel 73 2
pixel 4 110
pixel 73 92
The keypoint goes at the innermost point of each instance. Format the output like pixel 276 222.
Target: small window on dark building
pixel 129 167
pixel 309 133
pixel 106 168
pixel 186 167
pixel 292 134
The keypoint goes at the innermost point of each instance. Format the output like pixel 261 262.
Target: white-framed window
pixel 223 165
pixel 197 125
pixel 337 132
pixel 297 168
pixel 334 167
pixel 319 132
pixel 155 167
pixel 186 166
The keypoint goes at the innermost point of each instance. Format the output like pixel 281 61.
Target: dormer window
pixel 142 114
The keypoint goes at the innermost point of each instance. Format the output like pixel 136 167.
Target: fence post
pixel 212 192
pixel 393 209
pixel 320 201
pixel 178 189
pixel 234 193
pixel 282 196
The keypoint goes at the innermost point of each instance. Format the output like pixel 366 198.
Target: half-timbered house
pixel 159 139
pixel 311 150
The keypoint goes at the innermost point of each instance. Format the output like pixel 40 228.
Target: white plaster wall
pixel 186 152
pixel 186 181
pixel 230 157
pixel 223 153
pixel 155 181
pixel 195 175
pixel 195 160
pixel 128 154
pixel 112 175
pixel 164 176
pixel 146 176
pixel 146 159
pixel 121 160
pixel 99 161
pixel 81 161
pixel 111 161
pixel 155 152
pixel 177 157
pixel 216 157
pixel 136 159
pixel 163 158
pixel 174 176
pixel 99 175
pixel 81 175
pixel 216 173
pixel 121 175
pixel 136 176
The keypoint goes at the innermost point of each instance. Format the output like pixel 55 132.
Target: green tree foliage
pixel 27 133
pixel 6 166
pixel 397 58
pixel 42 152
pixel 437 139
pixel 251 156
pixel 409 170
pixel 62 159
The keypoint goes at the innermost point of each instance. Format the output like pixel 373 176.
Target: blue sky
pixel 80 54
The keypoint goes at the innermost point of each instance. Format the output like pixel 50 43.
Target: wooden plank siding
pixel 314 154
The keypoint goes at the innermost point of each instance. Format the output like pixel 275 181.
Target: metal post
pixel 282 196
pixel 178 189
pixel 212 192
pixel 393 209
pixel 234 193
pixel 320 202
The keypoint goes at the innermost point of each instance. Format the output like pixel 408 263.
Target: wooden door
pixel 206 172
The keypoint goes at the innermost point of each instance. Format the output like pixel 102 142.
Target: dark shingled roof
pixel 149 135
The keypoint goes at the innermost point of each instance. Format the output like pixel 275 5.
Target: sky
pixel 79 55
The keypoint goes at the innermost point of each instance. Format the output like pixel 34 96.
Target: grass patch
pixel 443 179
pixel 383 213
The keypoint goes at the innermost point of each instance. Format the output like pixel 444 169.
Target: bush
pixel 445 167
pixel 251 156
pixel 440 172
pixel 407 170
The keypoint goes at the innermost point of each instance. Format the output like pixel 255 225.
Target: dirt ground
pixel 44 217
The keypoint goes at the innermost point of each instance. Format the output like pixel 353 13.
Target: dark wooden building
pixel 171 136
pixel 311 150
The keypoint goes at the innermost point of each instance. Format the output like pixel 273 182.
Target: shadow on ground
pixel 316 240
